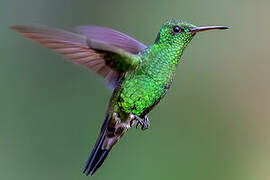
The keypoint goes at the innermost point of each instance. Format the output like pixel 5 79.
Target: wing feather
pixel 112 37
pixel 72 46
pixel 91 48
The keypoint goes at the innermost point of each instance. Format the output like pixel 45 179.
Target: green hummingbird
pixel 139 75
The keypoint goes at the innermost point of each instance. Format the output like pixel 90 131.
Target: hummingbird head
pixel 178 33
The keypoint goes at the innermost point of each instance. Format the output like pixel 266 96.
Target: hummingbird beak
pixel 206 28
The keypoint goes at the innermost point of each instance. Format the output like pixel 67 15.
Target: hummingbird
pixel 138 75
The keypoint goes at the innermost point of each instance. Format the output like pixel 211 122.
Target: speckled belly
pixel 139 93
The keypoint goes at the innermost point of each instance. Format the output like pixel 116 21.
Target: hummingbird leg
pixel 144 123
pixel 135 120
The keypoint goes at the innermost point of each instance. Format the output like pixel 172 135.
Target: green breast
pixel 139 92
pixel 147 84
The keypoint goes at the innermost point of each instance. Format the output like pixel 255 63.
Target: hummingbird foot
pixel 144 123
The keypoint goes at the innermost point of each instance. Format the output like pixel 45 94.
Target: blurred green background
pixel 212 125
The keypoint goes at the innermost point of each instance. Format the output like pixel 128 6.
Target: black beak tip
pixel 224 27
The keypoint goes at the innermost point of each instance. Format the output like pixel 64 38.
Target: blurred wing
pixel 112 37
pixel 78 49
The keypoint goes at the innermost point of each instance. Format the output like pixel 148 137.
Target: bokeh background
pixel 213 124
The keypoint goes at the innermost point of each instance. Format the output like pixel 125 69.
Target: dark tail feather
pixel 98 155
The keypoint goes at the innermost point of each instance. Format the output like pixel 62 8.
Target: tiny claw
pixel 138 123
pixel 144 128
pixel 144 123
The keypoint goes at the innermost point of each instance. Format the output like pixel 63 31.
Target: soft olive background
pixel 212 125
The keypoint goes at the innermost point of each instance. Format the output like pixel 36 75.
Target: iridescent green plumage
pixel 144 86
pixel 139 75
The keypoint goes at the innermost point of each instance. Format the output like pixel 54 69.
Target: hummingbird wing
pixel 106 58
pixel 112 37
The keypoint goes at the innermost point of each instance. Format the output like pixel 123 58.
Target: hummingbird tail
pixel 98 155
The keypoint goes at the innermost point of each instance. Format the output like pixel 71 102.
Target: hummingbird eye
pixel 176 29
